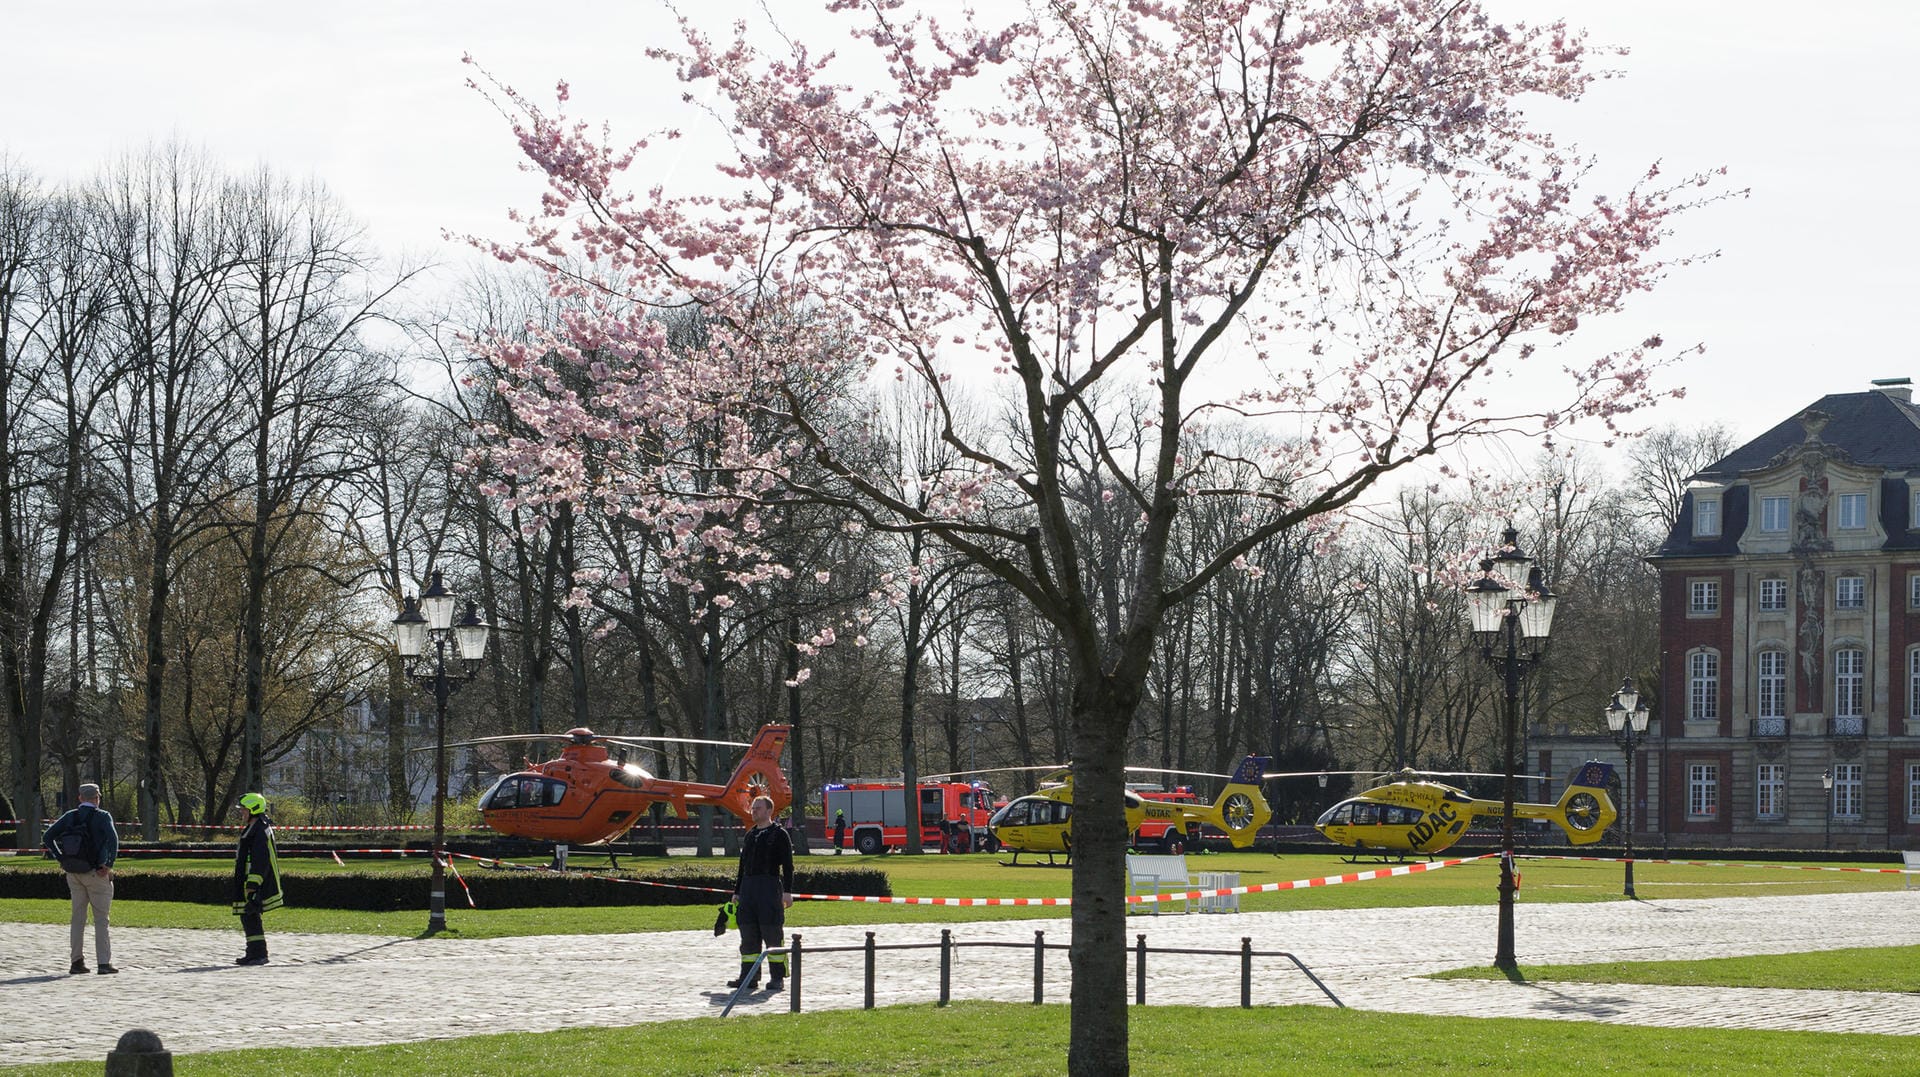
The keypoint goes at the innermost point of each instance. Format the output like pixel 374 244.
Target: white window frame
pixel 1703 598
pixel 1703 790
pixel 1770 678
pixel 1773 594
pixel 1850 512
pixel 1776 514
pixel 1706 516
pixel 1850 592
pixel 1913 682
pixel 1849 682
pixel 1847 789
pixel 1703 686
pixel 1913 590
pixel 1913 792
pixel 1770 791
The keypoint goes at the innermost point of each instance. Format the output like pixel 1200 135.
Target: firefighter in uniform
pixel 763 892
pixel 256 876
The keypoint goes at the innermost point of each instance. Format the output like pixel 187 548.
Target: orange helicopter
pixel 586 796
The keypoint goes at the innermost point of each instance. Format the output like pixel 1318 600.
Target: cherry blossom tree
pixel 1139 228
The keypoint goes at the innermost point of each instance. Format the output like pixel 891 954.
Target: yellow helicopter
pixel 1042 822
pixel 1410 816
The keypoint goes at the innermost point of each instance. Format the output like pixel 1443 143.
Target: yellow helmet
pixel 254 803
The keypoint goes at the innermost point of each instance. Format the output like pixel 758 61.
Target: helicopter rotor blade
pixel 683 740
pixel 943 775
pixel 497 740
pixel 1170 770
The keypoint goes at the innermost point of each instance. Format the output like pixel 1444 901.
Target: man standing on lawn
pixel 84 842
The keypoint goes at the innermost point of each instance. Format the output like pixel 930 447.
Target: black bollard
pixel 139 1054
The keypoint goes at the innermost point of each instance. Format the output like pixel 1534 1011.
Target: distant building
pixel 1790 638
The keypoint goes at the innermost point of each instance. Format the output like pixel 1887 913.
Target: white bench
pixel 1158 874
pixel 1910 861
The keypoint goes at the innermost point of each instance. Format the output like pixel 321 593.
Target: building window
pixel 1913 591
pixel 1773 683
pixel 1703 597
pixel 1913 683
pixel 1775 512
pixel 1703 686
pixel 1706 515
pixel 1773 594
pixel 1846 790
pixel 1770 791
pixel 1849 592
pixel 1849 676
pixel 1703 790
pixel 1851 512
pixel 1913 792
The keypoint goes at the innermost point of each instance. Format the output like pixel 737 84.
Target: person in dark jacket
pixel 762 893
pixel 89 875
pixel 839 832
pixel 256 876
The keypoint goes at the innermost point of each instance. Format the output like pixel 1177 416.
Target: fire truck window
pixel 930 805
pixel 1366 814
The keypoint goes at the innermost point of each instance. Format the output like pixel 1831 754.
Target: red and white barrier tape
pixel 1720 864
pixel 1134 899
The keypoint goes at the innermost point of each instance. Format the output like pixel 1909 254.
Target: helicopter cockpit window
pixel 1334 816
pixel 1014 814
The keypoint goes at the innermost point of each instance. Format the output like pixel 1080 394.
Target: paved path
pixel 358 989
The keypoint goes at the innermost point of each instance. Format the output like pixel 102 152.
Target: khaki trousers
pixel 90 888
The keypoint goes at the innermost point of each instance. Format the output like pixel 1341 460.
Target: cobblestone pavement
pixel 358 989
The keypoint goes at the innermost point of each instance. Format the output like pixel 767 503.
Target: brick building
pixel 1790 638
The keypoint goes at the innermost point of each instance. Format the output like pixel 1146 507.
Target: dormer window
pixel 1850 512
pixel 1706 515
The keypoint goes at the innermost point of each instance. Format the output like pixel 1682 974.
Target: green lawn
pixel 976 875
pixel 1010 1039
pixel 1891 968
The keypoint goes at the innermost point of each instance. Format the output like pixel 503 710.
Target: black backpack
pixel 75 849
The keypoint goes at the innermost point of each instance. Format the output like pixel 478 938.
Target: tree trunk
pixel 1102 711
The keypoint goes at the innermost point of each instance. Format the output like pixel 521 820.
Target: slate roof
pixel 1872 428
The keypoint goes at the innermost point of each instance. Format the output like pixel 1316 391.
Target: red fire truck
pixel 1161 834
pixel 953 815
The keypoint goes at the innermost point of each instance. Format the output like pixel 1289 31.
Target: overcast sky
pixel 1815 111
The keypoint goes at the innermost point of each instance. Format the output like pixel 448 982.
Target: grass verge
pixel 1012 1039
pixel 974 875
pixel 1890 968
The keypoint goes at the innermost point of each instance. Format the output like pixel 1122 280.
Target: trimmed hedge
pixel 492 888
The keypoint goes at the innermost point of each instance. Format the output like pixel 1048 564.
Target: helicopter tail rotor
pixel 1585 810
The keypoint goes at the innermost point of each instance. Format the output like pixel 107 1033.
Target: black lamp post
pixel 1826 783
pixel 1627 719
pixel 1510 604
pixel 411 632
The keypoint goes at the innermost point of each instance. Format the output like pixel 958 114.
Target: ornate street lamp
pixel 429 619
pixel 1627 719
pixel 1512 612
